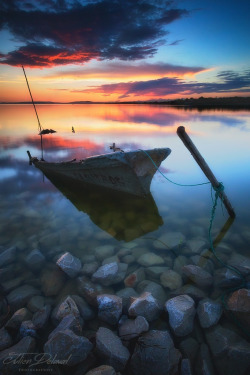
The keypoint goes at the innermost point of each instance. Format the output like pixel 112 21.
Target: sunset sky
pixel 124 50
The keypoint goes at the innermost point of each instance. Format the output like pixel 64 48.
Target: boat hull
pixel 129 172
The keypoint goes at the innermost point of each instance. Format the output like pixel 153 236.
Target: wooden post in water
pixel 205 168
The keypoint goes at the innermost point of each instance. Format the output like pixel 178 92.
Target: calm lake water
pixel 36 214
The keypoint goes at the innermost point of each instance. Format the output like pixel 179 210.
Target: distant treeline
pixel 235 102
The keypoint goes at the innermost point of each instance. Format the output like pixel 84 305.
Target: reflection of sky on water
pixel 221 136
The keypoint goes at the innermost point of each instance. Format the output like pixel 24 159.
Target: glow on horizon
pixel 203 51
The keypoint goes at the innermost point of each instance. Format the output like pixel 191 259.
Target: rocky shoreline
pixel 125 310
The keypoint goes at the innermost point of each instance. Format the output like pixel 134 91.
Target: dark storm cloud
pixel 228 81
pixel 61 32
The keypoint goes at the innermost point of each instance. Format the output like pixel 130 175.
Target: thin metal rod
pixel 39 124
pixel 205 168
pixel 40 127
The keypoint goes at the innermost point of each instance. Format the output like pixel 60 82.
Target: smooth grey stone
pixel 145 305
pixel 109 308
pixel 132 328
pixel 35 259
pixel 198 275
pixel 20 296
pixel 209 312
pixel 69 264
pixel 110 274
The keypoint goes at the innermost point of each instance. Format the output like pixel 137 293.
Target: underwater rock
pixel 239 304
pixel 18 297
pixel 66 307
pixel 171 280
pixel 109 347
pixel 224 277
pixel 36 303
pixel 131 328
pixel 198 275
pixel 150 259
pixel 155 353
pixel 41 317
pixel 154 288
pixel 196 245
pixel 230 351
pixel 89 268
pixel 190 290
pixel 68 347
pixel 90 290
pixel 103 252
pixel 169 240
pixel 109 308
pixel 24 348
pixel 8 256
pixel 186 368
pixel 85 310
pixel 135 278
pixel 52 280
pixel 17 318
pixel 204 364
pixel 68 322
pixel 181 310
pixel 145 305
pixel 209 312
pixel 69 264
pixel 240 262
pixel 112 259
pixel 126 295
pixel 5 339
pixel 102 370
pixel 35 259
pixel 110 274
pixel 189 348
pixel 9 285
pixel 28 329
pixel 155 272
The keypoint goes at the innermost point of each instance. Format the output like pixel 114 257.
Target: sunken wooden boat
pixel 129 172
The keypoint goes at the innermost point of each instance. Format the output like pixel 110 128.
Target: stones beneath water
pixel 110 274
pixel 41 317
pixel 109 347
pixel 20 296
pixel 145 305
pixel 69 264
pixel 230 351
pixel 126 295
pixel 28 329
pixel 155 354
pixel 103 252
pixel 131 328
pixel 5 339
pixel 109 308
pixel 36 303
pixel 17 318
pixel 150 259
pixel 239 304
pixel 171 280
pixel 181 310
pixel 198 275
pixel 135 278
pixel 8 256
pixel 68 322
pixel 169 240
pixel 52 280
pixel 24 348
pixel 66 307
pixel 209 312
pixel 35 259
pixel 66 346
pixel 102 370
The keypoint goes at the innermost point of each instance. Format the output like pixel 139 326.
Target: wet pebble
pixel 145 305
pixel 209 312
pixel 35 259
pixel 69 264
pixel 181 310
pixel 131 328
pixel 110 274
pixel 109 308
pixel 198 275
pixel 150 259
pixel 171 280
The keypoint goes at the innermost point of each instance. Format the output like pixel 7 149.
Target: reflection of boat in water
pixel 129 172
pixel 123 216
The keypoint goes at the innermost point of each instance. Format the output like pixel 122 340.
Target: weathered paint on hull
pixel 130 172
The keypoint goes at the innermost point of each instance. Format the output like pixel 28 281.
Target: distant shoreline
pixel 200 103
